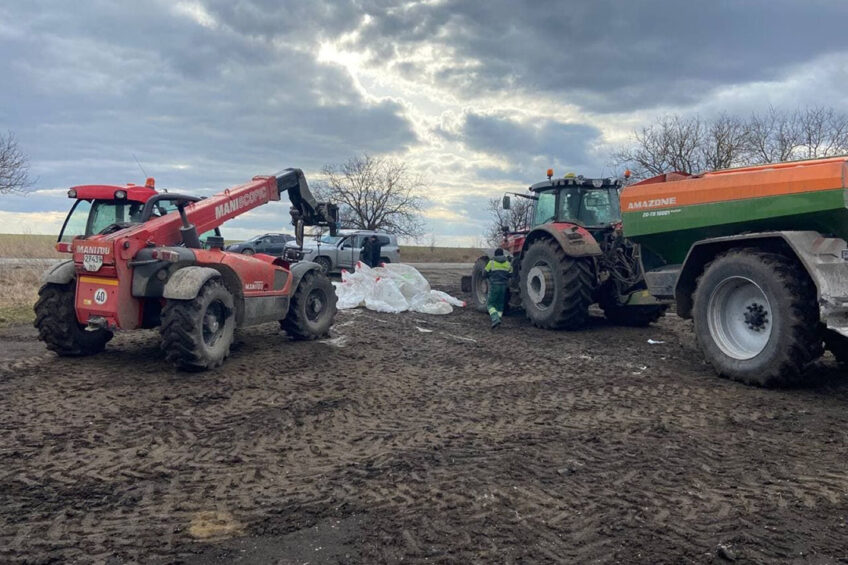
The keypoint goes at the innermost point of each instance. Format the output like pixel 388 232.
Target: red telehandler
pixel 139 262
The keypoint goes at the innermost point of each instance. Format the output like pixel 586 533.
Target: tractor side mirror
pixel 505 229
pixel 506 202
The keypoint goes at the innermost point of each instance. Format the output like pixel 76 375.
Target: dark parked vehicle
pixel 269 243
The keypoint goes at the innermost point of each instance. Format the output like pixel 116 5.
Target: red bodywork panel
pixel 515 241
pixel 107 291
pixel 107 192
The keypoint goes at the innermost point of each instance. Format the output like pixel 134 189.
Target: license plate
pixel 92 263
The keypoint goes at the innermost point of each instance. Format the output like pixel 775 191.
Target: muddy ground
pixel 418 438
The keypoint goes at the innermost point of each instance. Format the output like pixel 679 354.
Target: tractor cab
pixel 589 203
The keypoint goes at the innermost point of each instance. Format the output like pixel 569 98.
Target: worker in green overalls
pixel 498 271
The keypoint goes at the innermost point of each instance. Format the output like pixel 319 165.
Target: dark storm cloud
pixel 607 55
pixel 90 86
pixel 528 147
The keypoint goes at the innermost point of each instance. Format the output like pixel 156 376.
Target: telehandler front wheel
pixel 756 317
pixel 56 320
pixel 312 308
pixel 197 334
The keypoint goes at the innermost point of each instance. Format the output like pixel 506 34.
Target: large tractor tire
pixel 756 317
pixel 312 308
pixel 197 334
pixel 556 289
pixel 838 345
pixel 633 316
pixel 479 285
pixel 58 328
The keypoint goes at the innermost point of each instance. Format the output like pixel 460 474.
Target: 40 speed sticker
pixel 100 296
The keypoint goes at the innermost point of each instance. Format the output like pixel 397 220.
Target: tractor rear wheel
pixel 757 317
pixel 556 289
pixel 197 334
pixel 479 285
pixel 58 328
pixel 312 308
pixel 837 344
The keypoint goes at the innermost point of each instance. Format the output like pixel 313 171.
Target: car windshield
pixel 331 239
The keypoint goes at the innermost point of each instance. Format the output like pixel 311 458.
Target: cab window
pixel 545 208
pixel 76 222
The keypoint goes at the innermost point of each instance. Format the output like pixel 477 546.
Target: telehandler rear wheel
pixel 197 334
pixel 556 289
pixel 58 328
pixel 312 308
pixel 757 318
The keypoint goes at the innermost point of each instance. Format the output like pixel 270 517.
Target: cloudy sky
pixel 477 96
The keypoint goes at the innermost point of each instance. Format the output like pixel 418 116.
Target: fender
pixel 186 282
pixel 574 240
pixel 60 273
pixel 299 269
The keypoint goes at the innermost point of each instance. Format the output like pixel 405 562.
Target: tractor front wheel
pixel 556 289
pixel 312 308
pixel 58 328
pixel 757 317
pixel 479 285
pixel 197 334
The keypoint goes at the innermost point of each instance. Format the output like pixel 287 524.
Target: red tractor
pixel 139 262
pixel 573 254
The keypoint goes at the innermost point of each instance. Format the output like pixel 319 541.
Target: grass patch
pixel 424 254
pixel 28 246
pixel 20 291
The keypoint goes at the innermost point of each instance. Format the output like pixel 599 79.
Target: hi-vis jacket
pixel 498 271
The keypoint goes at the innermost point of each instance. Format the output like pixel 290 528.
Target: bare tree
pixel 689 144
pixel 673 143
pixel 375 193
pixel 14 165
pixel 773 136
pixel 516 218
pixel 724 144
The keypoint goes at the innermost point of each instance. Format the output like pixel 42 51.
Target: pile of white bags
pixel 393 288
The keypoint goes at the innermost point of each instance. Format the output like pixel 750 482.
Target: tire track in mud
pixel 521 445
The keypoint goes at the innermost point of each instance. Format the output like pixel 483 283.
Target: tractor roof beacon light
pixel 550 174
pixel 627 173
pixel 150 183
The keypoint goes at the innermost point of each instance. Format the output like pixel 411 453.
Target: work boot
pixel 496 321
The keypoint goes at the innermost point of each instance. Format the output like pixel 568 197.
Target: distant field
pixel 41 246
